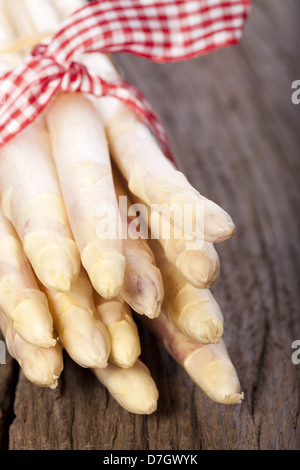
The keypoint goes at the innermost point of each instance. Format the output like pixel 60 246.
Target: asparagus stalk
pixel 116 315
pixel 143 286
pixel 80 331
pixel 42 366
pixel 21 301
pixel 84 171
pixel 193 311
pixel 133 388
pixel 33 202
pixel 208 365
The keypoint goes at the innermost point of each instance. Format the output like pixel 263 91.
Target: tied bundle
pixel 62 284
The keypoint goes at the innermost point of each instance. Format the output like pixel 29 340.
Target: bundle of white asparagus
pixel 82 249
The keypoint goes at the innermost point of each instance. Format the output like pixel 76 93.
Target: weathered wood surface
pixel 235 133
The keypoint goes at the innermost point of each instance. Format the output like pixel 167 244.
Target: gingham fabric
pixel 162 31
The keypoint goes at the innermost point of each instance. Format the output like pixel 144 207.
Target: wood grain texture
pixel 8 377
pixel 235 134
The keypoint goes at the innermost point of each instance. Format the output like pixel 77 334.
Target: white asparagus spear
pixel 193 311
pixel 33 203
pixel 24 305
pixel 133 388
pixel 116 315
pixel 80 331
pixel 42 366
pixel 32 199
pixel 209 365
pixel 143 287
pixel 84 170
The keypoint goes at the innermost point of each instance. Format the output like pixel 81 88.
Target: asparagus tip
pixel 107 277
pixel 54 382
pixel 205 330
pixel 33 322
pixel 225 232
pixel 199 269
pixel 59 282
pixel 233 398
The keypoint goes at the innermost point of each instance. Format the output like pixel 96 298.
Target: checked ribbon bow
pixel 159 30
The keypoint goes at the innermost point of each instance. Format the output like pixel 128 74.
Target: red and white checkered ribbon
pixel 159 30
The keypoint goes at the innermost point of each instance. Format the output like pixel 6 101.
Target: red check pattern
pixel 162 31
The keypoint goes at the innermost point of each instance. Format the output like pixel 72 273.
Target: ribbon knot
pixel 75 78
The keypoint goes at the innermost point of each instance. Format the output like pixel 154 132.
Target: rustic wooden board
pixel 235 133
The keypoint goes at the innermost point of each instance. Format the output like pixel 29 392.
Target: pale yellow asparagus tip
pixel 196 313
pixel 86 340
pixel 81 333
pixel 106 270
pixel 212 370
pixel 83 336
pixel 209 365
pixel 56 265
pixel 125 345
pixel 201 319
pixel 40 365
pixel 144 291
pixel 31 320
pixel 218 225
pixel 207 330
pixel 200 268
pixel 43 366
pixel 133 388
